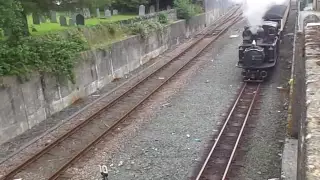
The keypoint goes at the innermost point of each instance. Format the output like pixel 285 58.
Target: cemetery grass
pixel 47 27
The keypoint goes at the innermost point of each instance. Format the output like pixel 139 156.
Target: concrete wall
pixel 316 5
pixel 304 105
pixel 25 104
pixel 298 103
pixel 311 138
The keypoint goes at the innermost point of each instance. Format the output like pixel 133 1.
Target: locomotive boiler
pixel 259 51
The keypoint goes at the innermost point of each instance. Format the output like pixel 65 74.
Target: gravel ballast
pixel 168 136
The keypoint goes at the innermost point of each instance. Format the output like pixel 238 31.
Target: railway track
pixel 219 160
pixel 51 162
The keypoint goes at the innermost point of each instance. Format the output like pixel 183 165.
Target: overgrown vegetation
pixel 144 28
pixel 21 54
pixel 52 53
pixel 163 18
pixel 186 9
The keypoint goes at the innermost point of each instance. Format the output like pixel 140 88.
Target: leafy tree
pixel 12 19
pixel 129 5
pixel 186 9
pixel 37 6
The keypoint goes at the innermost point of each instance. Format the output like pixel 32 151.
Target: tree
pixel 129 5
pixel 37 6
pixel 12 19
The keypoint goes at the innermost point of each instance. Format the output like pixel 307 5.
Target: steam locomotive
pixel 259 51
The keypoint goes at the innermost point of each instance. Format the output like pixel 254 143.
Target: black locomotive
pixel 259 50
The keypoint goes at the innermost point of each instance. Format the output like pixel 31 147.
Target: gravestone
pixel 53 17
pixel 71 22
pixel 115 12
pixel 80 19
pixel 43 19
pixel 63 21
pixel 89 13
pixel 107 13
pixel 168 7
pixel 142 10
pixel 86 12
pixel 98 12
pixel 152 9
pixel 35 19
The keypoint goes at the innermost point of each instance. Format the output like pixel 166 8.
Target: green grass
pixel 51 27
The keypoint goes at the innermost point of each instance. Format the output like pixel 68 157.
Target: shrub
pixel 186 9
pixel 198 9
pixel 112 28
pixel 145 27
pixel 163 18
pixel 45 54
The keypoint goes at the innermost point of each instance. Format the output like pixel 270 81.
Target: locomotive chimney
pixel 254 42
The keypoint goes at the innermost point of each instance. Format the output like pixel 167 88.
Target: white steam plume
pixel 254 10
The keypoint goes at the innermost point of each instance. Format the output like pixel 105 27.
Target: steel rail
pixel 221 132
pixel 217 140
pixel 240 133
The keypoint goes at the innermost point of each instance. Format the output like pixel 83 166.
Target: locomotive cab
pixel 272 29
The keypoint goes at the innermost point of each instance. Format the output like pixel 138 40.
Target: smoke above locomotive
pixel 254 10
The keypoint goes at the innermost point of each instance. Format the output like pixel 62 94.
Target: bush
pixel 145 27
pixel 198 9
pixel 186 9
pixel 46 54
pixel 163 18
pixel 111 27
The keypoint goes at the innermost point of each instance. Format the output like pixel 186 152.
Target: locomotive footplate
pixel 250 75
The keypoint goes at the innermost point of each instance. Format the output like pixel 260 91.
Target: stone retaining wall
pixel 311 138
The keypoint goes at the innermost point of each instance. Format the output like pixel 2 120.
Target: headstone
pixel 63 21
pixel 53 17
pixel 86 12
pixel 98 12
pixel 89 13
pixel 168 7
pixel 107 13
pixel 43 19
pixel 35 19
pixel 71 22
pixel 80 19
pixel 142 10
pixel 152 9
pixel 115 12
